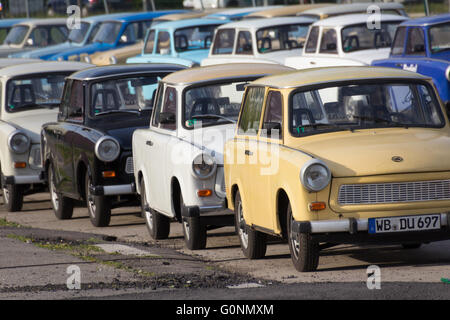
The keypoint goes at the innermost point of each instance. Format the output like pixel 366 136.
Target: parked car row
pixel 277 126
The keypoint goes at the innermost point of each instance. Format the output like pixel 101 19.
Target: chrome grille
pixel 394 192
pixel 129 165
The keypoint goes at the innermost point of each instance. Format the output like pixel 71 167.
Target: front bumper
pixel 211 215
pixel 26 179
pixel 114 190
pixel 353 230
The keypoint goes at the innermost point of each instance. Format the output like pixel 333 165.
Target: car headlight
pixel 112 60
pixel 107 149
pixel 447 73
pixel 204 166
pixel 18 142
pixel 315 175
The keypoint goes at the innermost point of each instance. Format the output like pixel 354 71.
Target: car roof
pixel 238 12
pixel 38 22
pixel 313 76
pixel 290 10
pixel 126 69
pixel 42 67
pixel 10 22
pixel 102 17
pixel 358 18
pixel 353 7
pixel 260 23
pixel 171 25
pixel 185 15
pixel 428 20
pixel 222 72
pixel 133 16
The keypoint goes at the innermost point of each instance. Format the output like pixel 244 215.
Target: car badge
pixel 397 159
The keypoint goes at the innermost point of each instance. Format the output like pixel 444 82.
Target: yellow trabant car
pixel 339 155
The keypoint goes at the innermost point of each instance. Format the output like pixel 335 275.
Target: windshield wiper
pixel 212 116
pixel 118 111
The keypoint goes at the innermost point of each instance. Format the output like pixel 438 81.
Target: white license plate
pixel 402 224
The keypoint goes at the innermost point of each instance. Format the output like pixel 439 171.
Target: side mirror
pixel 30 42
pixel 272 126
pixel 123 39
pixel 167 118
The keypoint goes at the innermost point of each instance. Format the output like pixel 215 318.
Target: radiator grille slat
pixel 394 192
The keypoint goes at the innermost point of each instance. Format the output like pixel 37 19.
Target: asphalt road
pixel 203 274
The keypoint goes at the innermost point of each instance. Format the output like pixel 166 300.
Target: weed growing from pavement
pixel 6 223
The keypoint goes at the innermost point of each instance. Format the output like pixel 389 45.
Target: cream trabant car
pixel 31 94
pixel 178 160
pixel 339 155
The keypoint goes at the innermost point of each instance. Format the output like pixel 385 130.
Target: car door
pixel 157 143
pixel 246 151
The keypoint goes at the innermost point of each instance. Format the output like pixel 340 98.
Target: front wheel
pixel 12 197
pixel 194 230
pixel 253 243
pixel 99 207
pixel 304 251
pixel 62 206
pixel 158 225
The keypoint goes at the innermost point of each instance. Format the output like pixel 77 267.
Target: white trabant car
pixel 178 160
pixel 31 96
pixel 258 41
pixel 348 40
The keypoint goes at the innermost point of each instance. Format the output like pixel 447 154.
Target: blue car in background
pixel 423 45
pixel 5 26
pixel 184 42
pixel 117 31
pixel 237 14
pixel 77 38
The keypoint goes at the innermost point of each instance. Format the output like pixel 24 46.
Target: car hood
pixel 194 55
pixel 210 139
pixel 370 152
pixel 367 56
pixel 44 52
pixel 123 130
pixel 5 51
pixel 31 122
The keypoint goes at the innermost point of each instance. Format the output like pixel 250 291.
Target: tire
pixel 158 225
pixel 304 251
pixel 408 246
pixel 62 206
pixel 99 207
pixel 253 243
pixel 12 197
pixel 194 231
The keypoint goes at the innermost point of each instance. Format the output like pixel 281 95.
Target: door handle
pixel 248 153
pixel 149 143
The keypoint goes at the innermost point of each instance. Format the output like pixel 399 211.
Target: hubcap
pixel 147 213
pixel 295 243
pixel 90 201
pixel 54 195
pixel 187 229
pixel 6 195
pixel 243 235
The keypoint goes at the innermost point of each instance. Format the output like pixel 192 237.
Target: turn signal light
pixel 317 206
pixel 204 193
pixel 109 174
pixel 20 165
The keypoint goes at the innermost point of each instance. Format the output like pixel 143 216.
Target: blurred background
pixel 57 8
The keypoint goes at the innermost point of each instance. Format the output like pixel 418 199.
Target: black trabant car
pixel 87 153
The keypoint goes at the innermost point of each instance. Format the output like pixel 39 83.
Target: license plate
pixel 402 224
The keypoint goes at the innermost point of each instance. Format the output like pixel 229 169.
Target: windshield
pixel 440 37
pixel 359 37
pixel 127 95
pixel 364 106
pixel 16 35
pixel 108 32
pixel 213 104
pixel 78 35
pixel 194 38
pixel 34 92
pixel 284 37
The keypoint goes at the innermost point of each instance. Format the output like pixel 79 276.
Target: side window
pixel 158 105
pixel 40 37
pixel 131 33
pixel 150 43
pixel 76 103
pixel 63 107
pixel 244 43
pixel 329 41
pixel 166 110
pixel 93 33
pixel 416 42
pixel 251 112
pixel 399 41
pixel 224 42
pixel 273 114
pixel 58 34
pixel 163 43
pixel 311 43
